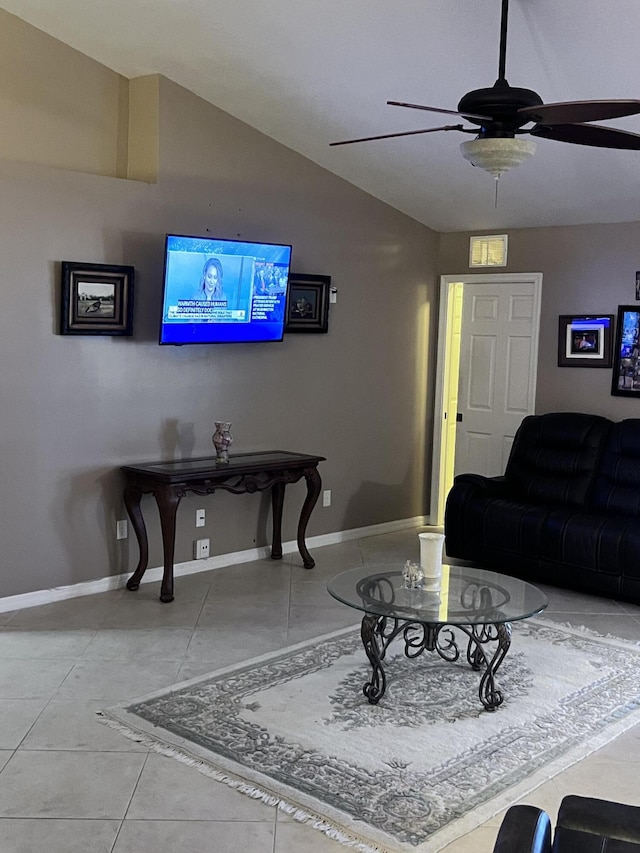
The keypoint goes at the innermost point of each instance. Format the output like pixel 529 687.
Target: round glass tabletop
pixel 464 596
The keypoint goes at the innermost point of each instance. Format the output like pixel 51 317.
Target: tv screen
pixel 223 291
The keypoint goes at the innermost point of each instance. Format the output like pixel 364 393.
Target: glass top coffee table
pixel 477 604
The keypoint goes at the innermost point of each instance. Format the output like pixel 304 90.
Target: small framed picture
pixel 626 367
pixel 638 286
pixel 96 299
pixel 308 303
pixel 585 341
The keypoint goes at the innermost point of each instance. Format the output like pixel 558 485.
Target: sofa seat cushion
pixel 609 544
pixel 505 525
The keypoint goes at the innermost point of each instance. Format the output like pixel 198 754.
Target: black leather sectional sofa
pixel 566 512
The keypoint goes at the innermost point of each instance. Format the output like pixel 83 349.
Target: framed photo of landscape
pixel 96 299
pixel 585 340
pixel 308 303
pixel 626 365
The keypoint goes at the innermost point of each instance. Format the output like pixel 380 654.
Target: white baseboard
pixel 61 593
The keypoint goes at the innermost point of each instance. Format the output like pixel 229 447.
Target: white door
pixel 498 359
pixel 491 346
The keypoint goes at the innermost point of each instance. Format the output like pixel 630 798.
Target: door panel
pixel 497 371
pixel 479 448
pixel 517 367
pixel 482 356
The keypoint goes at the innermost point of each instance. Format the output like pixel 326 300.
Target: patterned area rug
pixel 426 765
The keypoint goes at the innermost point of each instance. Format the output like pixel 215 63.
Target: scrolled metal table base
pixel 378 632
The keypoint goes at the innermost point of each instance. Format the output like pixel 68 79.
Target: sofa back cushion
pixel 554 457
pixel 616 488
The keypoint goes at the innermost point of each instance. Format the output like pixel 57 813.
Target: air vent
pixel 490 251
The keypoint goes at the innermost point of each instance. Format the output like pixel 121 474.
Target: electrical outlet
pixel 121 529
pixel 201 549
pixel 200 518
pixel 326 497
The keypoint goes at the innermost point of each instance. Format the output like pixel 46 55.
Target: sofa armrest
pixel 524 829
pixel 468 491
pixel 491 486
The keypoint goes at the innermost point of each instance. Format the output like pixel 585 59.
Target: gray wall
pixel 74 409
pixel 586 269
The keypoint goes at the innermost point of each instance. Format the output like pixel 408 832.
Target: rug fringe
pixel 330 830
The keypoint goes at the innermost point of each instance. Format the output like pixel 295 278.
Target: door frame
pixel 443 362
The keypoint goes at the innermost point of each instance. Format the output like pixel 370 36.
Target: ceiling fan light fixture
pixel 497 155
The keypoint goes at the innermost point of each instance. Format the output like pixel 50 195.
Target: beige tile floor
pixel 69 784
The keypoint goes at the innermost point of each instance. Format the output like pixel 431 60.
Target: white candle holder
pixel 431 546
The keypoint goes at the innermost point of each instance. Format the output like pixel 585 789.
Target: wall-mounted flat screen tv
pixel 223 291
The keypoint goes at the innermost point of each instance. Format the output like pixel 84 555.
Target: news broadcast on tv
pixel 223 291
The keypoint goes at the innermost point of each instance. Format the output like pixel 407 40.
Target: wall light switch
pixel 121 529
pixel 200 518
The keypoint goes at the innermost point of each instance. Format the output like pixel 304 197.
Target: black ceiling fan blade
pixel 402 133
pixel 590 134
pixel 574 112
pixel 437 110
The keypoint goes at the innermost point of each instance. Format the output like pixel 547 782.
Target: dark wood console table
pixel 168 482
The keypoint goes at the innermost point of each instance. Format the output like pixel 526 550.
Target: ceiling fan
pixel 502 112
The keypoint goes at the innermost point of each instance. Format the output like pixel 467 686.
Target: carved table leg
pixel 277 502
pixel 314 484
pixel 132 497
pixel 489 693
pixel 167 499
pixel 374 689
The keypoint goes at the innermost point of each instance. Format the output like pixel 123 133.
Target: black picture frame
pixel 96 299
pixel 585 340
pixel 625 381
pixel 308 303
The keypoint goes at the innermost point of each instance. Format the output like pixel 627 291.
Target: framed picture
pixel 96 299
pixel 638 285
pixel 585 341
pixel 308 303
pixel 626 365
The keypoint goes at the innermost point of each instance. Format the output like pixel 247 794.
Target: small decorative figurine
pixel 413 575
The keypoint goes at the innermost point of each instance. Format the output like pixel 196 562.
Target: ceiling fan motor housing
pixel 501 102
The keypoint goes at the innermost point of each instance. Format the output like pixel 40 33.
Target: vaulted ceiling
pixel 309 72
